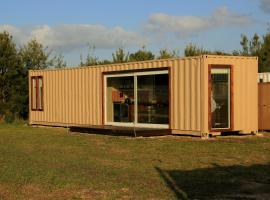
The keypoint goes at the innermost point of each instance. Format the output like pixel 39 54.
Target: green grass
pixel 49 163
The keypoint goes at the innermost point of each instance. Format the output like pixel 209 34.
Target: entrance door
pixel 264 106
pixel 138 99
pixel 220 98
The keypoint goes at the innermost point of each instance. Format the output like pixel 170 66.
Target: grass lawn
pixel 49 163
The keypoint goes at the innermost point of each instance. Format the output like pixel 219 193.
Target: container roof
pixel 149 61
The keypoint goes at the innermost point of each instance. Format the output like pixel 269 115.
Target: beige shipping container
pixel 193 95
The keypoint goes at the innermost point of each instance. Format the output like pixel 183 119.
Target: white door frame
pixel 135 123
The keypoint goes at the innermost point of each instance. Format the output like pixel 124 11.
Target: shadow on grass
pixel 121 131
pixel 233 182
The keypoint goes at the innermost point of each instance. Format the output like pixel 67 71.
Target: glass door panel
pixel 120 99
pixel 152 98
pixel 220 98
pixel 139 99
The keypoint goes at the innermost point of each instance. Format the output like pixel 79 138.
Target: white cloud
pixel 183 26
pixel 265 5
pixel 72 36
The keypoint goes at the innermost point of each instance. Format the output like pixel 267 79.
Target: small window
pixel 37 93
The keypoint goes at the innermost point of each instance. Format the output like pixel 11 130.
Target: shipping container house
pixel 264 101
pixel 191 95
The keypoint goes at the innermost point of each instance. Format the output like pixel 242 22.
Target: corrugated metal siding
pixel 264 77
pixel 74 95
pixel 67 94
pixel 185 92
pixel 245 90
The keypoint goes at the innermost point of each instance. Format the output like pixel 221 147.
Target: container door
pixel 264 106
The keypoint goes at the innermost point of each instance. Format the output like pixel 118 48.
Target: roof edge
pixel 146 61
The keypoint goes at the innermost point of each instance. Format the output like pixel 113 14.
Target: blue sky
pixel 69 27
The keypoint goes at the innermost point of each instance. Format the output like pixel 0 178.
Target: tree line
pixel 16 61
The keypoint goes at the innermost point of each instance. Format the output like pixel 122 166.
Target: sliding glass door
pixel 120 99
pixel 152 99
pixel 137 99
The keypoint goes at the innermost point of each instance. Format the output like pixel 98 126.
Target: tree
pixel 10 76
pixel 120 56
pixel 35 56
pixel 165 54
pixel 255 45
pixel 91 59
pixel 193 50
pixel 244 43
pixel 264 59
pixel 141 55
pixel 104 62
pixel 59 61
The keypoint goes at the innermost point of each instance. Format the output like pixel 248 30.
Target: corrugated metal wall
pixel 71 96
pixel 245 92
pixel 74 95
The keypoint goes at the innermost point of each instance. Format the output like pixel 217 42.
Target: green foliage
pixel 91 59
pixel 14 66
pixel 104 62
pixel 193 50
pixel 10 68
pixel 250 47
pixel 9 117
pixel 120 56
pixel 244 43
pixel 59 61
pixel 165 54
pixel 35 56
pixel 257 47
pixel 264 59
pixel 48 163
pixel 141 55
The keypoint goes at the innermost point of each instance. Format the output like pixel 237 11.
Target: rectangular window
pixel 138 99
pixel 37 93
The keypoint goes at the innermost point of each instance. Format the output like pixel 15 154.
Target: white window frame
pixel 135 123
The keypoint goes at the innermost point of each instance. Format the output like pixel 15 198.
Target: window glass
pixel 120 99
pixel 141 98
pixel 37 93
pixel 153 101
pixel 40 93
pixel 34 94
pixel 220 98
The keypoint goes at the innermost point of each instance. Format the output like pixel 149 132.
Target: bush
pixel 9 118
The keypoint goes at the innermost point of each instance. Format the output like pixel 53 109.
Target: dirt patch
pixel 4 192
pixel 37 192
